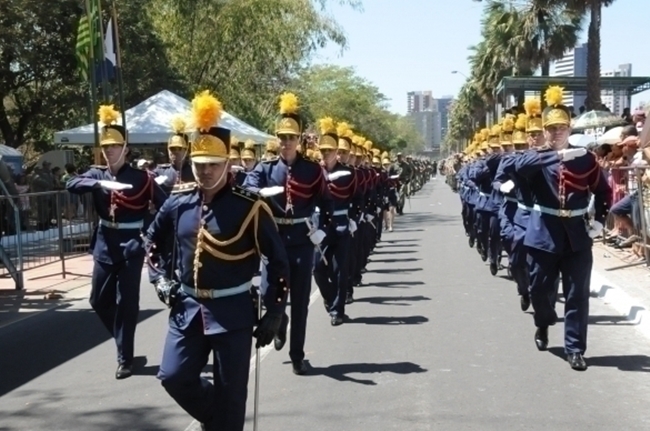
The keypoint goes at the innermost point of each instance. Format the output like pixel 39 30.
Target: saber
pixel 258 361
pixel 313 229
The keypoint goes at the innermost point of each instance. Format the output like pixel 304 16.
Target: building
pixel 443 107
pixel 428 124
pixel 418 101
pixel 617 100
pixel 574 63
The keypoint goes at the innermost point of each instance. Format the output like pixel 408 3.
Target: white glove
pixel 507 186
pixel 161 180
pixel 338 174
pixel 369 217
pixel 114 185
pixel 640 163
pixel 236 168
pixel 353 226
pixel 271 191
pixel 595 230
pixel 317 237
pixel 394 177
pixel 571 153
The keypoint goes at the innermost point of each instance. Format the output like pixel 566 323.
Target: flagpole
pixel 118 60
pixel 93 86
pixel 102 54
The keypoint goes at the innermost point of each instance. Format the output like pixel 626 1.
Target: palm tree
pixel 594 7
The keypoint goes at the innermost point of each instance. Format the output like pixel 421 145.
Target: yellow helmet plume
pixel 368 145
pixel 249 144
pixel 343 129
pixel 327 126
pixel 520 124
pixel 553 95
pixel 206 110
pixel 178 124
pixel 508 123
pixel 485 134
pixel 288 103
pixel 107 114
pixel 533 107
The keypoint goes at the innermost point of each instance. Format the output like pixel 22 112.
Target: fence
pixel 42 228
pixel 632 183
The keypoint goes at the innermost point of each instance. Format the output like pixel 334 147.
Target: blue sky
pixel 405 45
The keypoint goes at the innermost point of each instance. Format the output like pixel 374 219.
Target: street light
pixel 455 72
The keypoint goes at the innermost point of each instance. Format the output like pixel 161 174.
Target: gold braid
pixel 207 242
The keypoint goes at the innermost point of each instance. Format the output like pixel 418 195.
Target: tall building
pixel 418 101
pixel 574 63
pixel 443 107
pixel 428 124
pixel 617 100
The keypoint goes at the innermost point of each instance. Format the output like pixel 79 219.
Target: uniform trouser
pixel 494 238
pixel 352 260
pixel 300 272
pixel 369 238
pixel 220 406
pixel 115 297
pixel 517 258
pixel 482 225
pixel 575 269
pixel 332 278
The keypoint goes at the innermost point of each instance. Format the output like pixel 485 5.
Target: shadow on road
pixel 386 320
pixel 395 284
pixel 639 363
pixel 393 300
pixel 340 372
pixel 41 343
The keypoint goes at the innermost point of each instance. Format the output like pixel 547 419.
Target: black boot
pixel 541 339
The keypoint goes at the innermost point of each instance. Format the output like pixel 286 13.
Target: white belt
pixel 217 293
pixel 128 225
pixel 563 213
pixel 340 212
pixel 483 194
pixel 290 221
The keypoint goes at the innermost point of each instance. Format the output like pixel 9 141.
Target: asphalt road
pixel 434 342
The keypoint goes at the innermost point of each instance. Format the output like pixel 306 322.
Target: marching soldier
pixel 221 231
pixel 392 190
pixel 124 198
pixel 234 157
pixel 248 156
pixel 559 233
pixel 331 268
pixel 178 171
pixel 293 186
pixel 271 150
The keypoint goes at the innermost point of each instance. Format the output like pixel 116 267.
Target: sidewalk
pixel 626 289
pixel 45 288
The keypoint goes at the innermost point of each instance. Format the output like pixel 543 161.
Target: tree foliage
pixel 338 92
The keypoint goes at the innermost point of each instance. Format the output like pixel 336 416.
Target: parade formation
pixel 524 190
pixel 218 215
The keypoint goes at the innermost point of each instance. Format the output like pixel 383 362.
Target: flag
pixel 109 62
pixel 87 36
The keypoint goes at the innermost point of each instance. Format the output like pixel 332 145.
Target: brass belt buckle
pixel 204 294
pixel 565 213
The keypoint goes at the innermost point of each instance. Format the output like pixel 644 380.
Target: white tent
pixel 150 123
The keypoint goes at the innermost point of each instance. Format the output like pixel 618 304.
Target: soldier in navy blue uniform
pixel 235 161
pixel 179 170
pixel 221 232
pixel 293 187
pixel 271 150
pixel 248 156
pixel 331 272
pixel 559 233
pixel 124 197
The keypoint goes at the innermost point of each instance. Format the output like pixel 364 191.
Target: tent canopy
pixel 150 123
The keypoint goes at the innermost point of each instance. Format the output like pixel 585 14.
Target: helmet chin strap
pixel 196 176
pixel 119 159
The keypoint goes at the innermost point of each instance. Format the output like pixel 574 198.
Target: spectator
pixel 7 221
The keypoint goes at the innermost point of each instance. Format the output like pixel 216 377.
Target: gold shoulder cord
pixel 207 242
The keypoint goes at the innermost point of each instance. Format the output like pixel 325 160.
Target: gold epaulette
pixel 242 192
pixel 182 188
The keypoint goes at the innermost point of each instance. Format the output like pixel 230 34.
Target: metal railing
pixel 632 184
pixel 43 228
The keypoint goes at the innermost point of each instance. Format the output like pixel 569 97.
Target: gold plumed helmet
pixel 329 139
pixel 385 158
pixel 248 153
pixel 345 134
pixel 179 139
pixel 272 147
pixel 235 143
pixel 289 122
pixel 533 109
pixel 495 133
pixel 519 135
pixel 507 128
pixel 210 144
pixel 110 133
pixel 555 113
pixel 367 148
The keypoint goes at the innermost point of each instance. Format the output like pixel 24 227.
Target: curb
pixel 612 295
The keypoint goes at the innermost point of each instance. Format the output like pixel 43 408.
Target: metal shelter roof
pixel 630 84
